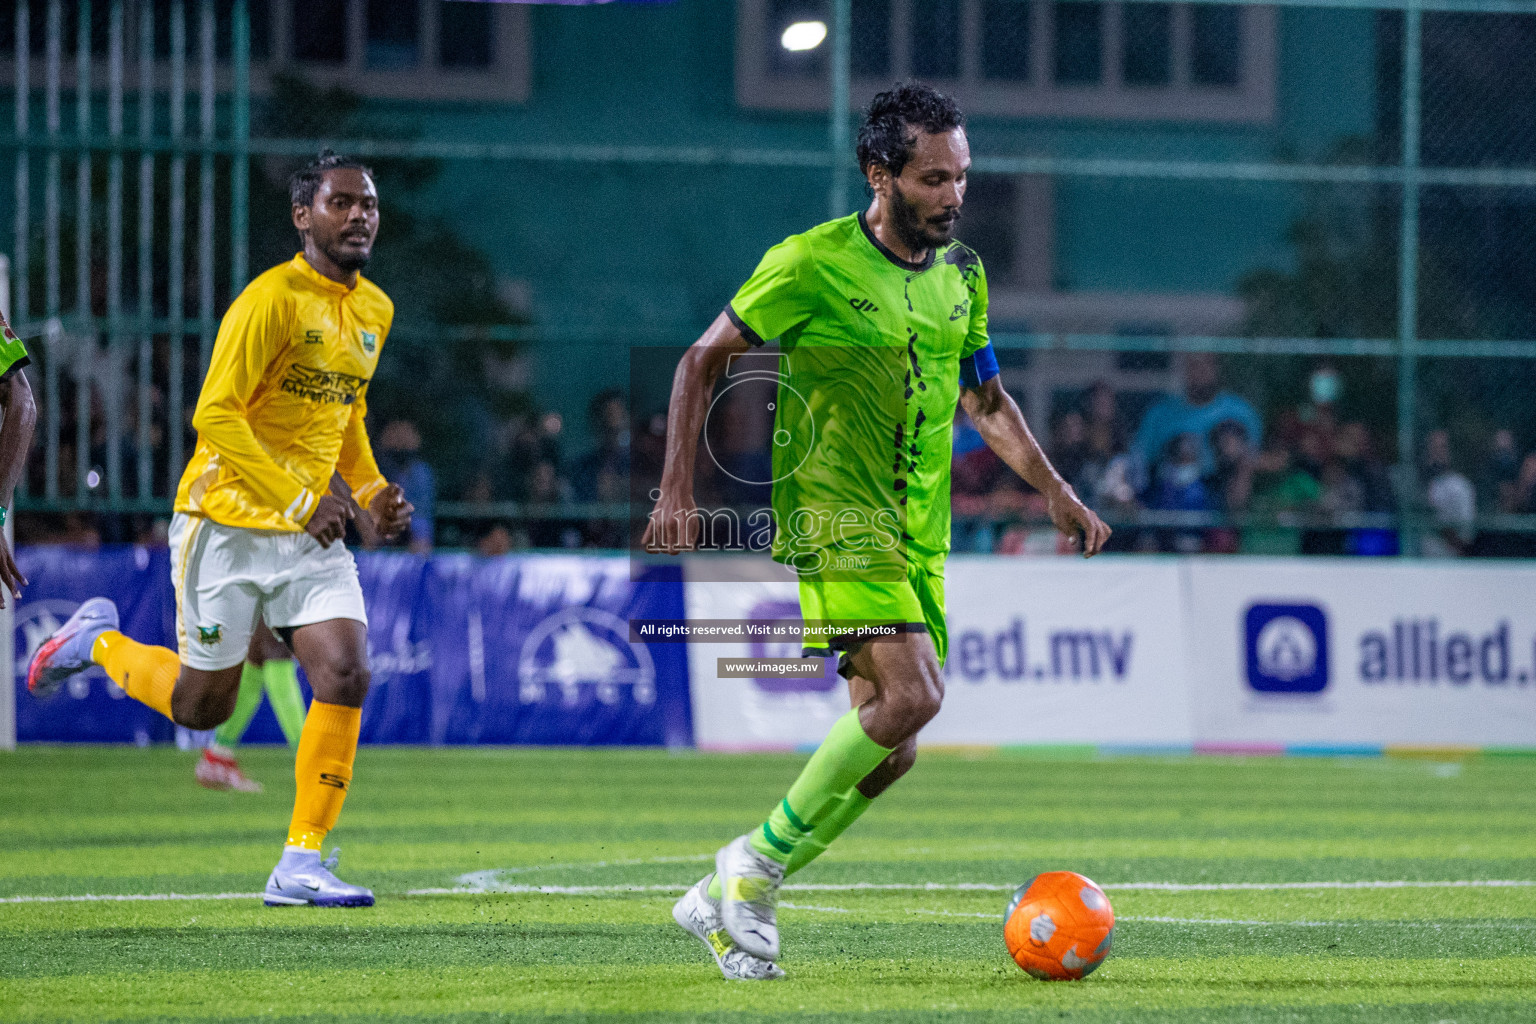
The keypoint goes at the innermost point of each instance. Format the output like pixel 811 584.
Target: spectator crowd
pixel 1199 470
pixel 1202 472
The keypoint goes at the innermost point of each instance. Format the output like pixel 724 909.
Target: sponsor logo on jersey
pixel 314 337
pixel 962 309
pixel 210 635
pixel 864 305
pixel 326 386
pixel 1287 646
pixel 370 341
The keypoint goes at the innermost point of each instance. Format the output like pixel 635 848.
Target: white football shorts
pixel 227 578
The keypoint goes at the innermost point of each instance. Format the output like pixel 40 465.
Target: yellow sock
pixel 147 673
pixel 323 771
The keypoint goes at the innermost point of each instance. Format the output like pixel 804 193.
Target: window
pixel 1027 58
pixel 406 49
pixel 1005 40
pixel 1216 46
pixel 320 31
pixel 393 30
pixel 464 39
pixel 1079 42
pixel 1147 58
pixel 871 50
pixel 935 38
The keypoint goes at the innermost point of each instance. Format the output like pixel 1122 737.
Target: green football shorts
pixel 839 607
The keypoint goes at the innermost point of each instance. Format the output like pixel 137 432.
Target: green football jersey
pixel 13 354
pixel 869 380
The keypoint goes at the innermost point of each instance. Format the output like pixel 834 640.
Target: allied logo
pixel 370 341
pixel 962 309
pixel 1287 648
pixel 210 634
pixel 336 781
pixel 314 337
pixel 864 306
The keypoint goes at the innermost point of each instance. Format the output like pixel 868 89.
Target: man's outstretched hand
pixel 1078 521
pixel 673 527
pixel 10 577
pixel 391 512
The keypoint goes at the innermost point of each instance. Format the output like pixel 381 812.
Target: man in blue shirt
pixel 1202 406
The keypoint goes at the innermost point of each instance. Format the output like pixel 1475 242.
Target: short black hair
pixel 305 181
pixel 886 137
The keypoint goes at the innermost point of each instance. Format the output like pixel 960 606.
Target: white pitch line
pixel 142 897
pixel 806 906
pixel 1273 886
pixel 1515 925
pixel 590 890
pixel 585 890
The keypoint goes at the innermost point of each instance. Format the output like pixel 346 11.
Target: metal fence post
pixel 52 418
pixel 176 240
pixel 239 187
pixel 205 183
pixel 837 110
pixel 1408 283
pixel 115 43
pixel 146 304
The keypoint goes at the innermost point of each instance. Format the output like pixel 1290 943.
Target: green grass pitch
pixel 620 831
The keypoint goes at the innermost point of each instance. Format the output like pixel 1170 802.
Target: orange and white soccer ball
pixel 1059 926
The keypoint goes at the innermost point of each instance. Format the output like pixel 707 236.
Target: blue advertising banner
pixel 91 708
pixel 531 649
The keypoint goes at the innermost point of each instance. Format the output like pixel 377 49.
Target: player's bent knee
pixel 342 682
pixel 922 702
pixel 201 707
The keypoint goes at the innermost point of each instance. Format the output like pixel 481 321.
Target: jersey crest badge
pixel 370 341
pixel 210 634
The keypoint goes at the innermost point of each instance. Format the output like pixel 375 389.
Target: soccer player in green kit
pixel 882 322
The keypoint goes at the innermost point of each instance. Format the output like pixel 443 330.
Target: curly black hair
pixel 305 182
pixel 886 137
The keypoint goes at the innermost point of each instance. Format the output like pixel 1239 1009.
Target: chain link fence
pixel 1317 211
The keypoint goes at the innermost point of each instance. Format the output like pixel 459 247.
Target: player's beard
pixel 348 261
pixel 916 233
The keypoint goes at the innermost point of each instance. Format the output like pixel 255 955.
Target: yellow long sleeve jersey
pixel 283 405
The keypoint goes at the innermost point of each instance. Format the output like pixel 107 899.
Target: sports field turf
pixel 101 821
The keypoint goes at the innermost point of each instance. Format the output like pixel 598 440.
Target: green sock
pixel 837 820
pixel 829 828
pixel 246 702
pixel 287 702
pixel 844 757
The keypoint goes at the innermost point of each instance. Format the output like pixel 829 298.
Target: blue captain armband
pixel 978 367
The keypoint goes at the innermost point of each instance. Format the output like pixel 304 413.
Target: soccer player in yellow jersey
pixel 258 526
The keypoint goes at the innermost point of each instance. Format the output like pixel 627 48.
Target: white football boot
pixel 699 915
pixel 302 878
pixel 749 883
pixel 68 650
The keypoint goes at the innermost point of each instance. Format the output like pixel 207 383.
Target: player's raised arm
pixel 673 526
pixel 1001 425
